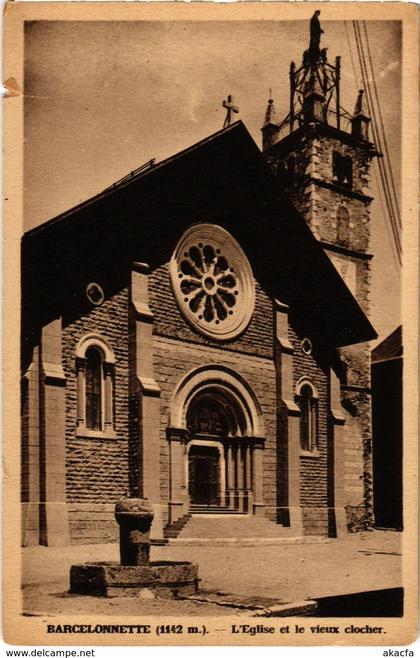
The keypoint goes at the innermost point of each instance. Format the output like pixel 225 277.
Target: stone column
pixel 30 453
pixel 54 529
pixel 289 433
pixel 247 479
pixel 148 396
pixel 240 476
pixel 230 484
pixel 258 484
pixel 178 498
pixel 222 468
pixel 108 385
pixel 81 391
pixel 337 513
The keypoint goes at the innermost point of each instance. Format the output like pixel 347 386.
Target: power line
pixel 377 138
pixel 375 126
pixel 382 125
pixel 355 76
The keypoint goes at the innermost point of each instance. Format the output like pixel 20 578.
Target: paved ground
pixel 287 572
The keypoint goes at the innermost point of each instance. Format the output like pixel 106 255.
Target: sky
pixel 102 98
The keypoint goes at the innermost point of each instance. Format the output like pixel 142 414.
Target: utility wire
pixel 375 126
pixel 377 138
pixel 382 125
pixel 355 76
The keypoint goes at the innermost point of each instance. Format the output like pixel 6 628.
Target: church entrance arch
pixel 216 417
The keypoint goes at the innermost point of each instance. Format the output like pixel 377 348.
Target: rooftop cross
pixel 230 107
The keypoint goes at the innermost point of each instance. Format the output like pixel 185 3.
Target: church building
pixel 197 335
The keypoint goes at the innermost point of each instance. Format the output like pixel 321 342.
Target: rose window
pixel 213 282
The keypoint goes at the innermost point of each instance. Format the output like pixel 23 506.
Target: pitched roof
pixel 223 179
pixel 390 348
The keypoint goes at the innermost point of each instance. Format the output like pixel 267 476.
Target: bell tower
pixel 321 155
pixel 324 168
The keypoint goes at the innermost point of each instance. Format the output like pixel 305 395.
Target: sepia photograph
pixel 210 296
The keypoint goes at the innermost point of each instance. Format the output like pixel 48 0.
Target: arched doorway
pixel 216 445
pixel 213 420
pixel 219 453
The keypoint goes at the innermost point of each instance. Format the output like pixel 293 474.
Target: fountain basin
pixel 164 579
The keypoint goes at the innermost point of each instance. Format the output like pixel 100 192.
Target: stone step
pixel 231 526
pixel 173 530
pixel 208 509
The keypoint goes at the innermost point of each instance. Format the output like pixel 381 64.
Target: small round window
pixel 212 281
pixel 95 294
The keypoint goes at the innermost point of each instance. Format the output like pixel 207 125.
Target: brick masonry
pixel 257 339
pixel 312 155
pixel 97 469
pixel 313 484
pixel 179 349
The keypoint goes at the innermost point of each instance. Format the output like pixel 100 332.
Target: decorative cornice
pixel 281 307
pixel 337 416
pixel 212 346
pixel 53 374
pixel 345 251
pixel 81 362
pixel 27 374
pixel 108 367
pixel 356 389
pixel 149 387
pixel 285 345
pixel 141 268
pixel 291 407
pixel 143 311
pixel 177 434
pixel 308 180
pixel 317 128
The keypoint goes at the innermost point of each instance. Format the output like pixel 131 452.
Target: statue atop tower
pixel 316 31
pixel 314 90
pixel 313 54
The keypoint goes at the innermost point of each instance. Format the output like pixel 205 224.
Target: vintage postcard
pixel 211 330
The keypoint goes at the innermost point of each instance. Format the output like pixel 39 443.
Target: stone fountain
pixel 135 575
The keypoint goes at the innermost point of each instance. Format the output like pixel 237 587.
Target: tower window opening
pixel 343 169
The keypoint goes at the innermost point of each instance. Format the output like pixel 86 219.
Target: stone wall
pixel 310 154
pixel 356 402
pixel 313 469
pixel 256 339
pixel 178 348
pixel 174 358
pixel 313 161
pixel 97 469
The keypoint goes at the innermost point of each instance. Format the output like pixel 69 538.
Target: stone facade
pixel 266 422
pixel 97 469
pixel 100 470
pixel 338 214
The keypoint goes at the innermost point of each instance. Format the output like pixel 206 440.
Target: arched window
pixel 343 226
pixel 308 402
pixel 94 386
pixel 95 365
